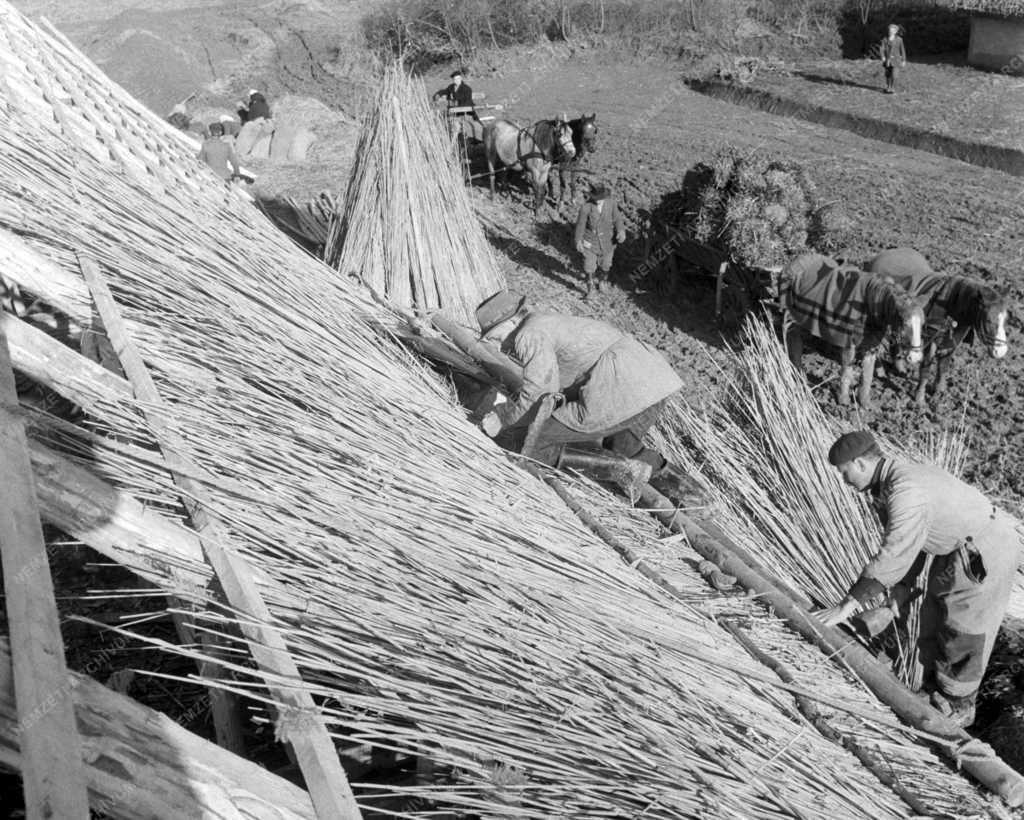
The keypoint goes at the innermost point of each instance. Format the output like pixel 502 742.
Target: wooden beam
pixel 140 764
pixel 53 777
pixel 301 723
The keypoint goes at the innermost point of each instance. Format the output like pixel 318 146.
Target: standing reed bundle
pixel 407 227
pixel 436 600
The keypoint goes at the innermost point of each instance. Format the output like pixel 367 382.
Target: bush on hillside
pixel 426 32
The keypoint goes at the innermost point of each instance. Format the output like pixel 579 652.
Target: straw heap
pixel 758 208
pixel 407 227
pixel 437 600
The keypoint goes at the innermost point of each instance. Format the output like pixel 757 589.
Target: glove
pixel 491 424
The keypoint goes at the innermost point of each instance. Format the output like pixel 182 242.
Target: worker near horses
pixel 255 107
pixel 609 387
pixel 459 95
pixel 218 152
pixel 597 224
pixel 976 550
pixel 893 54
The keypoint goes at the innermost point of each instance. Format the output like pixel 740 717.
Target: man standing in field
pixel 892 54
pixel 597 220
pixel 976 549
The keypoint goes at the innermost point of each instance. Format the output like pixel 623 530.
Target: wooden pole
pixel 975 757
pixel 140 764
pixel 301 724
pixel 501 368
pixel 53 774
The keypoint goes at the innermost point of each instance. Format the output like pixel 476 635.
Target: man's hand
pixel 491 424
pixel 579 247
pixel 839 613
pixel 620 237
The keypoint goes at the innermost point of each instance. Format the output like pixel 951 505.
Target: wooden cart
pixel 739 288
pixel 471 129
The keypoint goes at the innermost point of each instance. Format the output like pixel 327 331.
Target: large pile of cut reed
pixel 760 447
pixel 407 227
pixel 760 208
pixel 437 600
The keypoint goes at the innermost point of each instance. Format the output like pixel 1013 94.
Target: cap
pixel 850 446
pixel 456 73
pixel 226 118
pixel 599 191
pixel 496 309
pixel 253 91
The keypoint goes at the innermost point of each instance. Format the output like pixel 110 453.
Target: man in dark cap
pixel 218 152
pixel 613 387
pixel 456 93
pixel 976 550
pixel 598 222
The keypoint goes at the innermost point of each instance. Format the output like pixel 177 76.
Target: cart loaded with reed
pixel 737 220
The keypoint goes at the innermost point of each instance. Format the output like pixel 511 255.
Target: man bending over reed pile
pixel 976 550
pixel 608 388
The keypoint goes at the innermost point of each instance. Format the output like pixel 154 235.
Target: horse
pixel 956 309
pixel 851 309
pixel 584 140
pixel 533 150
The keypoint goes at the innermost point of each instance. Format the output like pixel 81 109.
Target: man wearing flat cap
pixel 614 386
pixel 976 549
pixel 597 224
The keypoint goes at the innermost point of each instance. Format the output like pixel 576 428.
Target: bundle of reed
pixel 759 448
pixel 759 208
pixel 437 600
pixel 407 227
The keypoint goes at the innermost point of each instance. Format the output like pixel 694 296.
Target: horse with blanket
pixel 584 141
pixel 532 149
pixel 851 309
pixel 956 310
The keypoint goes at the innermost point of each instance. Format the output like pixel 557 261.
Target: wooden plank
pixel 301 724
pixel 142 765
pixel 54 777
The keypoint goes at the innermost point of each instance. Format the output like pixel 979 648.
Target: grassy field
pixel 954 101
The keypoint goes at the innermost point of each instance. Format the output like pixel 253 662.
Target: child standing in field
pixel 893 54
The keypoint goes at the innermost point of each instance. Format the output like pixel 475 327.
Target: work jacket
pixel 892 51
pixel 925 509
pixel 219 154
pixel 595 226
pixel 606 376
pixel 459 97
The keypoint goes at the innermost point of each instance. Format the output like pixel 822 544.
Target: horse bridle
pixel 562 128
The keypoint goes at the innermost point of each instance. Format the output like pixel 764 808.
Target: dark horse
pixel 533 150
pixel 584 140
pixel 850 309
pixel 956 308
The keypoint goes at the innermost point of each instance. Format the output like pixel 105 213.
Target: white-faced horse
pixel 956 309
pixel 532 150
pixel 851 309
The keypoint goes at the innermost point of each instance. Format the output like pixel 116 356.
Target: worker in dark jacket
pixel 613 387
pixel 976 549
pixel 254 108
pixel 219 152
pixel 598 223
pixel 456 93
pixel 892 54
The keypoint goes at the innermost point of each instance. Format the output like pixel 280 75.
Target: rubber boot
pixel 602 465
pixel 677 486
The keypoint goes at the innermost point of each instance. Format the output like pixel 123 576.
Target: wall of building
pixel 997 45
